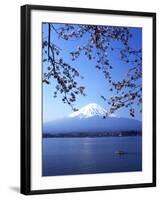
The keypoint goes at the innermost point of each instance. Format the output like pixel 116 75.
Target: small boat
pixel 120 135
pixel 120 152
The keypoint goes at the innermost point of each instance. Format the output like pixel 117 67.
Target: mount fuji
pixel 90 119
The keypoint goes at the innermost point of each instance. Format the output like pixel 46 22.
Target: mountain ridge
pixel 89 120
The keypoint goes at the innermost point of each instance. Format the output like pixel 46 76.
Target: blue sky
pixel 94 80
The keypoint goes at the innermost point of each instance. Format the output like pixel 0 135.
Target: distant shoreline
pixel 92 135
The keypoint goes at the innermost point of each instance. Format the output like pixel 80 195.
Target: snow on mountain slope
pixel 89 110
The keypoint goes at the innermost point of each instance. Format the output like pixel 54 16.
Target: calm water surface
pixel 67 156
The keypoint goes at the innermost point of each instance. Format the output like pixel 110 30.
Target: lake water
pixel 68 156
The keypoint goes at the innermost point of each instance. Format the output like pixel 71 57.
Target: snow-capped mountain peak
pixel 89 119
pixel 89 110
